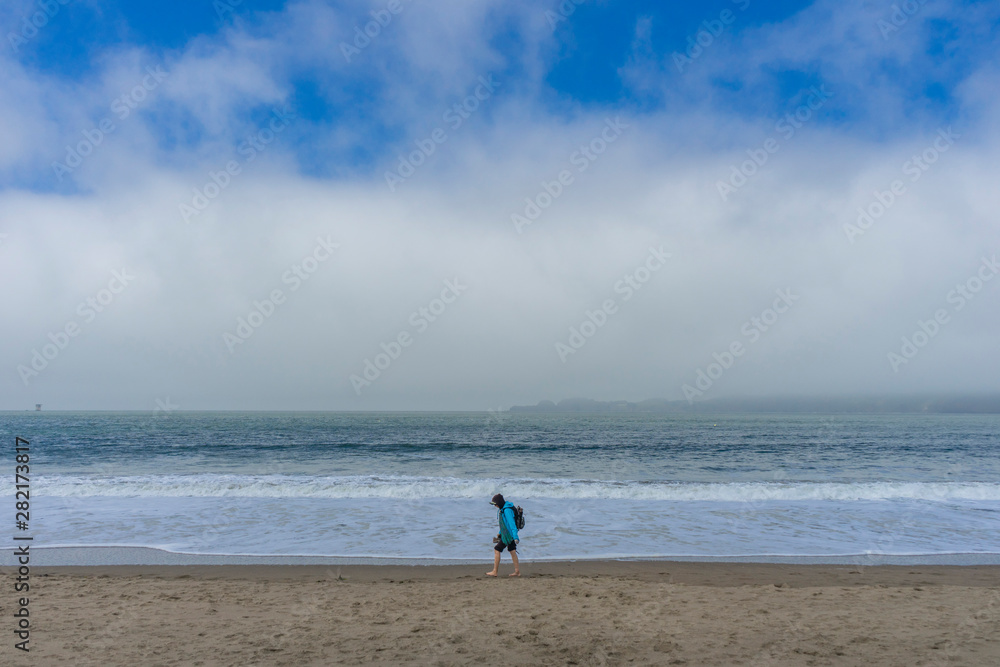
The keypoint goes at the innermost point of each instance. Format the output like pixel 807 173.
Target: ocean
pixel 416 486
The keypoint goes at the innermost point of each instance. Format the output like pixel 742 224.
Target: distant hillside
pixel 982 404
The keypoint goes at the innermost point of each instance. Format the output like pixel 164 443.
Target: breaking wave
pixel 409 488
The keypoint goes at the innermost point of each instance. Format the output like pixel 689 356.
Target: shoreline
pixel 113 556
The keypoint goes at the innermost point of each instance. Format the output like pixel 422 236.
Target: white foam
pixel 414 488
pixel 555 527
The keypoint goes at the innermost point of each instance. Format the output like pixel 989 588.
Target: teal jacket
pixel 508 529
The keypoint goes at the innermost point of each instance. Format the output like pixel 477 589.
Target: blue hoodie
pixel 508 529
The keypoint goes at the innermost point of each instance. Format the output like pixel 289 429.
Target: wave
pixel 150 554
pixel 411 488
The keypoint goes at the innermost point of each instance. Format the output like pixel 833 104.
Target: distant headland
pixel 965 404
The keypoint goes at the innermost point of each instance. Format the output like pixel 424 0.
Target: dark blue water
pixel 594 485
pixel 641 447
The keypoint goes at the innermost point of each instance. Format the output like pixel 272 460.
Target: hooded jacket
pixel 508 529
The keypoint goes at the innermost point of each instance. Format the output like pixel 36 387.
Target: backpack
pixel 519 518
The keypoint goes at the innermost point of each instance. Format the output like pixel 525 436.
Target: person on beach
pixel 507 537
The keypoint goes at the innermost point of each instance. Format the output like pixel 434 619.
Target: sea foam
pixel 414 488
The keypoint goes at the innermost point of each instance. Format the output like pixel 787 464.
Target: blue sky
pixel 314 137
pixel 602 56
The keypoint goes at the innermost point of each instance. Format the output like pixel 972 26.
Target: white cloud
pixel 495 345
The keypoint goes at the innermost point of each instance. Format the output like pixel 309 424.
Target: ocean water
pixel 417 485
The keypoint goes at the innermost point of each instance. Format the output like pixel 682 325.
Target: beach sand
pixel 586 613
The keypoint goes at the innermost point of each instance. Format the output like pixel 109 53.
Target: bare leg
pixel 496 564
pixel 517 568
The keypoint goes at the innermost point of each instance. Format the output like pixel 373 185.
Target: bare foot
pixel 515 573
pixel 491 574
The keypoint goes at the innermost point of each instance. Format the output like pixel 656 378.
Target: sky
pixel 467 205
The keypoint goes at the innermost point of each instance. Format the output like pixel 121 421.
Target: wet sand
pixel 589 612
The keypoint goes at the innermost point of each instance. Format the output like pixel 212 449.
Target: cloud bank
pixel 824 187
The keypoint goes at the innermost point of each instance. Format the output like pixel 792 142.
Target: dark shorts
pixel 500 546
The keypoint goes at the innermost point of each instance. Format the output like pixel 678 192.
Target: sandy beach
pixel 556 614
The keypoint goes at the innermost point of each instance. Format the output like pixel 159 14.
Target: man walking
pixel 507 538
